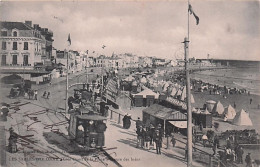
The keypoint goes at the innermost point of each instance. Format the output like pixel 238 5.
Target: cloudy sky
pixel 226 29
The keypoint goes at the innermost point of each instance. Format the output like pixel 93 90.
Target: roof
pixel 164 113
pixel 23 71
pixel 91 117
pixel 13 25
pixel 146 92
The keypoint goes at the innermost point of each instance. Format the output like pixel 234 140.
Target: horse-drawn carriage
pixel 20 89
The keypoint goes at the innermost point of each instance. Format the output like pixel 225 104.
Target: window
pixel 4 33
pixel 25 47
pixel 3 60
pixel 14 59
pixel 25 60
pixel 3 45
pixel 14 45
pixel 15 33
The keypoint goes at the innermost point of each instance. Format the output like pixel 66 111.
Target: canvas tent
pixel 218 108
pixel 242 118
pixel 229 112
pixel 173 92
pixel 146 92
pixel 210 105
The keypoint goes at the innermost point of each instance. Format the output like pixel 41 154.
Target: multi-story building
pixel 101 61
pixel 21 44
pixel 22 48
pixel 61 58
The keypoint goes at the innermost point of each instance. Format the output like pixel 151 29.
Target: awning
pixel 180 124
pixel 164 113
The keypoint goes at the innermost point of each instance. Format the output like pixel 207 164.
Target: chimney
pixel 36 26
pixel 29 23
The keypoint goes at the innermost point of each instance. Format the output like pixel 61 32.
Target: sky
pixel 227 29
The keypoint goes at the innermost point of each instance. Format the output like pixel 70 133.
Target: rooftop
pixel 14 25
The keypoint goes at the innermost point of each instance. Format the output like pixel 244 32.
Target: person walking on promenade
pixel 251 101
pixel 214 148
pixel 186 151
pixel 138 123
pixel 159 127
pixel 152 135
pixel 139 133
pixel 248 160
pixel 147 139
pixel 235 105
pixel 173 140
pixel 240 153
pixel 48 95
pixel 35 94
pixel 158 141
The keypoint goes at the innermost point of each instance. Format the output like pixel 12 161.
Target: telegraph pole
pixel 87 68
pixel 189 114
pixel 67 82
pixel 101 93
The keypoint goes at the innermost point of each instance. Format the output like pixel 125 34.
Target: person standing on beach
pixel 235 105
pixel 251 101
pixel 44 94
pixel 35 94
pixel 48 95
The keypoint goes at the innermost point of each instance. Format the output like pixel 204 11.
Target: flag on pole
pixel 69 40
pixel 192 12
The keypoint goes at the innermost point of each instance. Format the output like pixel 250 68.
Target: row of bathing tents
pixel 238 118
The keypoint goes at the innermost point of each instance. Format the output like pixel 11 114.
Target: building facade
pixel 21 45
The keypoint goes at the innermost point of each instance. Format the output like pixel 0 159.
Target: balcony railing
pixel 16 66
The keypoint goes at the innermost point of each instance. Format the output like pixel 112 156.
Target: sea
pixel 239 74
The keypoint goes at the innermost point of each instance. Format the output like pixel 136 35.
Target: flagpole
pixel 67 76
pixel 188 21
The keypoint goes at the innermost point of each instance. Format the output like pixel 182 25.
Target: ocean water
pixel 237 77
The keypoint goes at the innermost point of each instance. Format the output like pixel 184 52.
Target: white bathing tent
pixel 218 108
pixel 229 112
pixel 242 118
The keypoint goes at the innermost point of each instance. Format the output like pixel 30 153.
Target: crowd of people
pixel 149 136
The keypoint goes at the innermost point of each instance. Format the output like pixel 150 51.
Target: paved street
pixel 46 135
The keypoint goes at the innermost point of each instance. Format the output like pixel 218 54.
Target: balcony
pixel 16 66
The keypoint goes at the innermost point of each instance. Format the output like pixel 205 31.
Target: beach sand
pixel 242 102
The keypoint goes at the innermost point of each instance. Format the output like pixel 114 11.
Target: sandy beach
pixel 242 102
